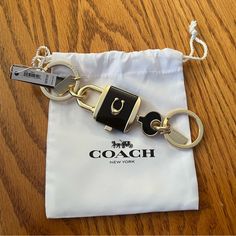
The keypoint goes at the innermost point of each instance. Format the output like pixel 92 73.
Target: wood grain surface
pixel 99 25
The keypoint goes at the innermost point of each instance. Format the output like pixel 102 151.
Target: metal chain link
pixel 75 94
pixel 157 125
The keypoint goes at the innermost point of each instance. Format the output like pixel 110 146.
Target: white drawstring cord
pixel 39 60
pixel 193 32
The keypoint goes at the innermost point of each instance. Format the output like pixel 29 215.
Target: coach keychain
pixel 115 108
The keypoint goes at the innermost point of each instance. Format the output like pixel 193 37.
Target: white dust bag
pixel 85 173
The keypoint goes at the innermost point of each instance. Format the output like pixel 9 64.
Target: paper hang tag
pixel 34 76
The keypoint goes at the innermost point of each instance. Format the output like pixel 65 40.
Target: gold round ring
pixel 189 113
pixel 68 95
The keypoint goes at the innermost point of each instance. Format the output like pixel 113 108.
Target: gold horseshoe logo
pixel 115 111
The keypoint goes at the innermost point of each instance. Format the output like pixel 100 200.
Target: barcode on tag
pixel 34 76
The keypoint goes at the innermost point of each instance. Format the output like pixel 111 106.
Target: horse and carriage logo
pixel 121 144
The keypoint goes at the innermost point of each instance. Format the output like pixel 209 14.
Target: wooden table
pixel 95 26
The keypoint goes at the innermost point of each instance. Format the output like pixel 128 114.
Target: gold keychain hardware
pixel 152 123
pixel 175 142
pixel 52 94
pixel 116 108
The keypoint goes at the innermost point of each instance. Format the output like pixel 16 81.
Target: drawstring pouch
pixel 93 172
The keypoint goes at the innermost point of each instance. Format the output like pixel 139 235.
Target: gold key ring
pixel 68 95
pixel 196 118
